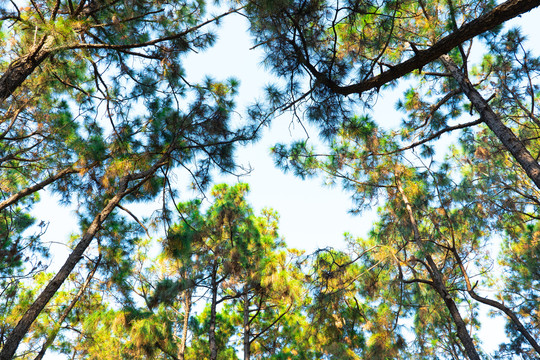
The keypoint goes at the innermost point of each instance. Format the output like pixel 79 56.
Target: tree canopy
pixel 96 107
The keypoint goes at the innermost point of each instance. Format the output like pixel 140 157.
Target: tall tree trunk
pixel 20 330
pixel 66 312
pixel 492 120
pixel 438 282
pixel 39 304
pixel 213 304
pixel 187 311
pixel 247 349
pixel 462 333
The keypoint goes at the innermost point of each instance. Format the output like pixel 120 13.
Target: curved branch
pixel 32 189
pixel 495 304
pixel 500 14
pixel 433 136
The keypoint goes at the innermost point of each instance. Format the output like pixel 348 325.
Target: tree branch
pixel 506 11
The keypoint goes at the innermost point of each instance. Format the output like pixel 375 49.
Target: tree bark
pixel 66 312
pixel 52 287
pixel 463 334
pixel 19 69
pixel 492 120
pixel 212 330
pixel 247 348
pixel 438 283
pixel 187 311
pixel 20 330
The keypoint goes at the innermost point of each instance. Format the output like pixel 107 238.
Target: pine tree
pixel 339 57
pixel 95 106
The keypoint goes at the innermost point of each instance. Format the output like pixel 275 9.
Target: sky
pixel 311 215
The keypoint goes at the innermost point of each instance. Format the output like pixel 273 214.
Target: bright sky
pixel 311 215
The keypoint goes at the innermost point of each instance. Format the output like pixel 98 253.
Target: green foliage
pixel 102 112
pixel 94 102
pixel 199 348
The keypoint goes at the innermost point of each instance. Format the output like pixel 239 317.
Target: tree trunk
pixel 492 120
pixel 66 312
pixel 213 304
pixel 463 334
pixel 247 350
pixel 187 311
pixel 438 282
pixel 17 334
pixel 22 67
pixel 39 304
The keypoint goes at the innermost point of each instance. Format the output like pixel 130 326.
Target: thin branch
pixel 433 136
pixel 272 324
pixel 150 42
pixel 135 218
